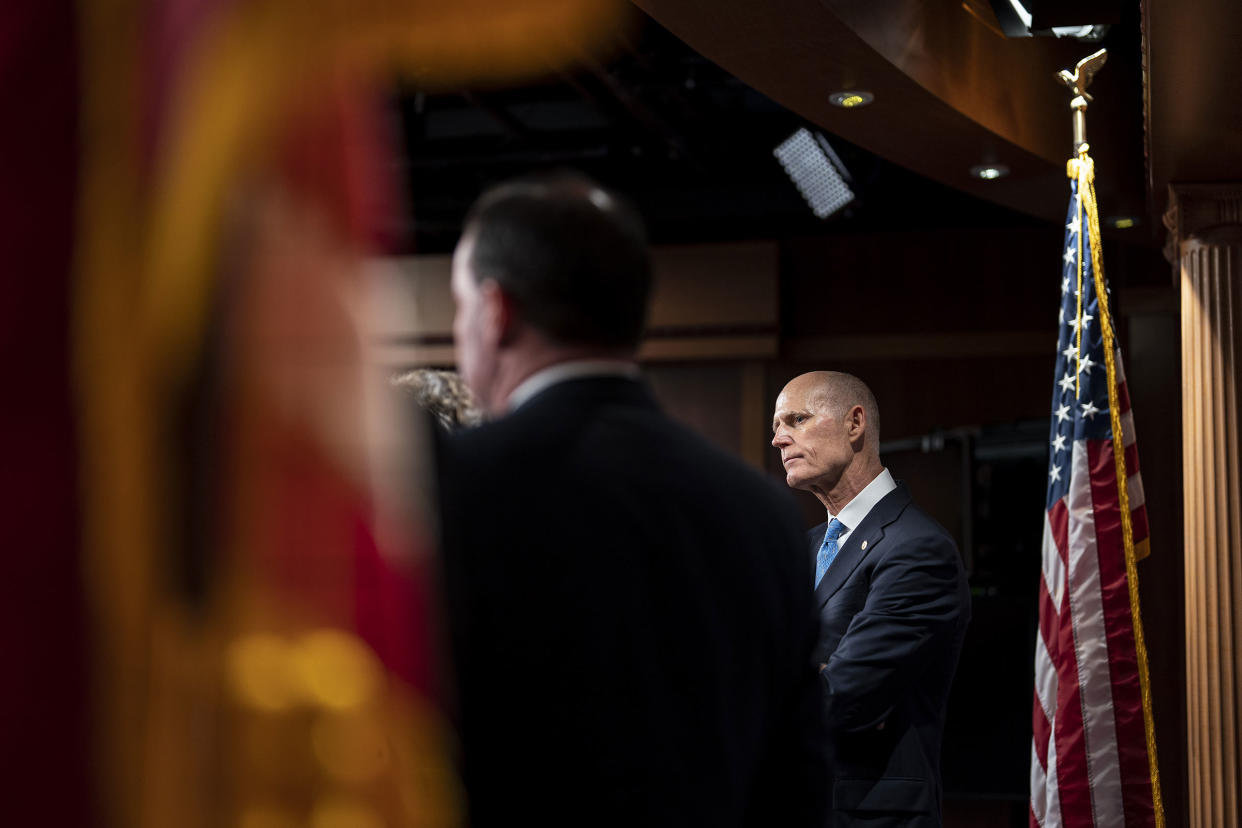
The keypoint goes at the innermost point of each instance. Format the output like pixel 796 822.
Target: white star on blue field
pixel 1080 391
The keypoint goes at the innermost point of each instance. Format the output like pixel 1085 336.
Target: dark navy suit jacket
pixel 893 610
pixel 632 620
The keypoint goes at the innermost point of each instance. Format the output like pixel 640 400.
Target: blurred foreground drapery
pixel 232 625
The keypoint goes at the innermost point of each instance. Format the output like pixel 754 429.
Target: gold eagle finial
pixel 1083 73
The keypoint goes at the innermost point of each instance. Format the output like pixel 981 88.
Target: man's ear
pixel 500 312
pixel 856 423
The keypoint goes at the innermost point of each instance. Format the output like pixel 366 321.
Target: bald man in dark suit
pixel 893 604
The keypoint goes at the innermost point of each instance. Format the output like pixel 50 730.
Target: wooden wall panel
pixel 716 301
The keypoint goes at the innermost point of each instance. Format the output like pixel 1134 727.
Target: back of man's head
pixel 572 256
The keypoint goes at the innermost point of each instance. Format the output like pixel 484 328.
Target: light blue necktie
pixel 828 549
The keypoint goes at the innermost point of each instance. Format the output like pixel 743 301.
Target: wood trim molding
pixel 1207 212
pixel 710 301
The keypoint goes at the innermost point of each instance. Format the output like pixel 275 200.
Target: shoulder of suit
pixel 914 521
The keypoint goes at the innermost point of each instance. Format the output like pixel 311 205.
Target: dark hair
pixel 572 255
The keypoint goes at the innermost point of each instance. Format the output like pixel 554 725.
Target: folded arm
pixel 910 616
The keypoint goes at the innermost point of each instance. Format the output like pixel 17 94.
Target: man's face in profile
pixel 473 333
pixel 815 446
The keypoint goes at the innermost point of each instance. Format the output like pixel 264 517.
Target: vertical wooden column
pixel 1205 223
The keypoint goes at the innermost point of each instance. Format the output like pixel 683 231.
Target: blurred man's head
pixel 827 427
pixel 549 268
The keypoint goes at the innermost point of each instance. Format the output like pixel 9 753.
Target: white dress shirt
pixel 857 509
pixel 575 369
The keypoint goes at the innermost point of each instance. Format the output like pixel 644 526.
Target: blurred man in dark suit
pixel 893 604
pixel 631 620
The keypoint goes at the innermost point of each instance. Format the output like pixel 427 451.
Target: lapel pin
pixel 864 545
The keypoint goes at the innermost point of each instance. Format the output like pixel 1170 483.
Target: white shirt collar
pixel 575 369
pixel 853 513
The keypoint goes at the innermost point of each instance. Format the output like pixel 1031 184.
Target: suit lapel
pixel 862 542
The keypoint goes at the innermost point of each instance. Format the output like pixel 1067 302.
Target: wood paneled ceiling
pixel 683 116
pixel 679 133
pixel 951 90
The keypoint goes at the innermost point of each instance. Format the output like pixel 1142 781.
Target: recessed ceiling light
pixel 989 171
pixel 851 98
pixel 1121 222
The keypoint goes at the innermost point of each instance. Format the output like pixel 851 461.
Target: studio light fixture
pixel 816 171
pixel 1085 20
pixel 851 98
pixel 989 172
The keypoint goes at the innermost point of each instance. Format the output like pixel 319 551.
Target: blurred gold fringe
pixel 166 676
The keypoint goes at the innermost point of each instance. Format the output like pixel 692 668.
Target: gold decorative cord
pixel 1078 330
pixel 1083 169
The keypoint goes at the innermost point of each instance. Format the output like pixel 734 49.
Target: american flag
pixel 1089 762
